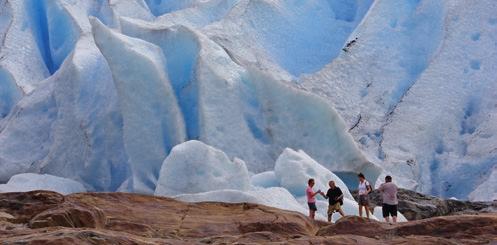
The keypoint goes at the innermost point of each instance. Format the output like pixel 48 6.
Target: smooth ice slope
pixel 452 142
pixel 293 34
pixel 265 179
pixel 485 191
pixel 415 87
pixel 318 131
pixel 194 167
pixel 30 182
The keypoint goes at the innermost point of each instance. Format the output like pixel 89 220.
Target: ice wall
pixel 101 91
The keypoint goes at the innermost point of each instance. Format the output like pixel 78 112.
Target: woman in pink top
pixel 311 199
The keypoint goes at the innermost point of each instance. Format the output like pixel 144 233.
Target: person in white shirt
pixel 364 190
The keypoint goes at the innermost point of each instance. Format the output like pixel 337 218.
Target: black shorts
pixel 364 200
pixel 312 206
pixel 389 210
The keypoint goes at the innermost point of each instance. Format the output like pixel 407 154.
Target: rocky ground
pixel 42 217
pixel 416 206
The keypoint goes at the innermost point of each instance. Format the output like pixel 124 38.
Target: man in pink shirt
pixel 390 202
pixel 311 199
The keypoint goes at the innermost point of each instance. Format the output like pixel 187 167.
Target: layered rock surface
pixel 42 217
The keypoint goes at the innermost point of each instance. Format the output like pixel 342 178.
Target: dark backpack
pixel 369 188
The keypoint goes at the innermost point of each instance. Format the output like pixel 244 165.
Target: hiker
pixel 364 190
pixel 335 200
pixel 311 199
pixel 389 193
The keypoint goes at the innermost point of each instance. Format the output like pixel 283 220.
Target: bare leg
pixel 341 212
pixel 394 218
pixel 360 210
pixel 387 219
pixel 367 211
pixel 312 214
pixel 329 217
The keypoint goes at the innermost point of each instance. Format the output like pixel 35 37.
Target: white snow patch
pixel 30 182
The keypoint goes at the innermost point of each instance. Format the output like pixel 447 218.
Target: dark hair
pixel 388 178
pixel 360 175
pixel 310 180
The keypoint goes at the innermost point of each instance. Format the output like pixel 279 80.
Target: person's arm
pixel 341 194
pixel 313 194
pixel 324 195
pixel 380 188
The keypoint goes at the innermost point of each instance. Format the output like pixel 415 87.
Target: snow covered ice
pixel 294 168
pixel 194 167
pixel 31 182
pixel 274 197
pixel 253 97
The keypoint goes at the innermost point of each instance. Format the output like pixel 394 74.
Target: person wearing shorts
pixel 364 189
pixel 390 202
pixel 335 200
pixel 311 199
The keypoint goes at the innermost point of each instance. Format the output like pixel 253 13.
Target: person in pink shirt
pixel 390 202
pixel 311 199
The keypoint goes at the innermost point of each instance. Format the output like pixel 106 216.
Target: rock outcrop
pixel 416 206
pixel 42 217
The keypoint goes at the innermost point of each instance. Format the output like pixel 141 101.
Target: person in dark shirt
pixel 335 200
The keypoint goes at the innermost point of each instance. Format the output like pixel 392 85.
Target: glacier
pixel 102 92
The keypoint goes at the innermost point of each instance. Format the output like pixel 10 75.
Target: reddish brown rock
pixel 118 218
pixel 470 228
pixel 24 205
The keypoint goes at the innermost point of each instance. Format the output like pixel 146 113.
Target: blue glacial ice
pixel 100 93
pixel 152 122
